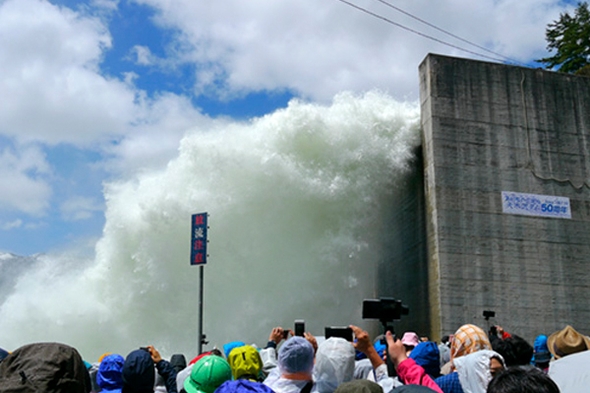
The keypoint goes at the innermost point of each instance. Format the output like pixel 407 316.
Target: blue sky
pixel 96 92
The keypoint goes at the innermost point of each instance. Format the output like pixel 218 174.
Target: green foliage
pixel 584 71
pixel 569 37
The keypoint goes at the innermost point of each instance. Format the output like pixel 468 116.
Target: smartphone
pixel 299 327
pixel 339 331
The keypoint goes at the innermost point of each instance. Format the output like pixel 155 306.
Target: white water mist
pixel 295 201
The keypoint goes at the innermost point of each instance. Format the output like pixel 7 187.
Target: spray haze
pixel 296 202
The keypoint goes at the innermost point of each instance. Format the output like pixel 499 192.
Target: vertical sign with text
pixel 199 239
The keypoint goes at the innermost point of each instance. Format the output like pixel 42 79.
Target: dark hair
pixel 522 380
pixel 515 350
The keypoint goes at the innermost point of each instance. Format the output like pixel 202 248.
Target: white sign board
pixel 535 205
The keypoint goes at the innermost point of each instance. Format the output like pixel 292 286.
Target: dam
pixel 496 213
pixel 315 208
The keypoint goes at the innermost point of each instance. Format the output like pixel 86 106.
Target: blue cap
pixel 231 345
pixel 379 347
pixel 541 352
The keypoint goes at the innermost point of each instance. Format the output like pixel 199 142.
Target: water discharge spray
pixel 296 201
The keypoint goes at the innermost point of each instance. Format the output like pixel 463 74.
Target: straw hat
pixel 566 342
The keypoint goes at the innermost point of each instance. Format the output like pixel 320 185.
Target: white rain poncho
pixel 572 373
pixel 474 370
pixel 334 364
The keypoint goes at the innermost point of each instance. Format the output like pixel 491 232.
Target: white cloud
pixel 154 141
pixel 79 208
pixel 24 177
pixel 50 85
pixel 321 48
pixel 143 55
pixel 110 5
pixel 6 226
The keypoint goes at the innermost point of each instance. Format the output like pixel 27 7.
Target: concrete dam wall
pixel 506 160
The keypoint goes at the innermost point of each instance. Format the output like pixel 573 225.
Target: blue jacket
pixel 139 375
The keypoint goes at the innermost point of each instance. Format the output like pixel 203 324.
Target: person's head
pixel 245 362
pixel 477 369
pixel 522 380
pixel 228 347
pixel 44 367
pixel 207 375
pixel 138 372
pixel 296 357
pixel 178 362
pixel 566 342
pixel 410 340
pixel 427 355
pixel 515 350
pixel 541 355
pixel 334 364
pixel 378 344
pixel 110 373
pixel 359 386
pixel 468 339
pixel 497 365
pixel 214 352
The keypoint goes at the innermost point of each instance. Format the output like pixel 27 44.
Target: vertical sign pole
pixel 199 258
pixel 201 281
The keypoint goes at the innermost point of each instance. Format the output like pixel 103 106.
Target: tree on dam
pixel 569 38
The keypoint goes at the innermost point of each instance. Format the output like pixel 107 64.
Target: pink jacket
pixel 412 374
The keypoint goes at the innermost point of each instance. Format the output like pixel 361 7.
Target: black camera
pixel 384 309
pixel 337 331
pixel 487 314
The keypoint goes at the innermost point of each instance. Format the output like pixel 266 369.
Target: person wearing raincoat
pixel 109 376
pixel 334 364
pixel 473 372
pixel 295 365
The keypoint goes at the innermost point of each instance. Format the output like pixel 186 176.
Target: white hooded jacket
pixel 474 370
pixel 334 364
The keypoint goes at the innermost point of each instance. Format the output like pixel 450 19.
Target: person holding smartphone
pixel 139 375
pixel 295 365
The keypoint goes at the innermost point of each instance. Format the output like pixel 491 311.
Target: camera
pixel 299 327
pixel 339 331
pixel 487 314
pixel 493 331
pixel 384 309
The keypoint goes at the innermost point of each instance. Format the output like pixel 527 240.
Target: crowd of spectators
pixel 468 361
